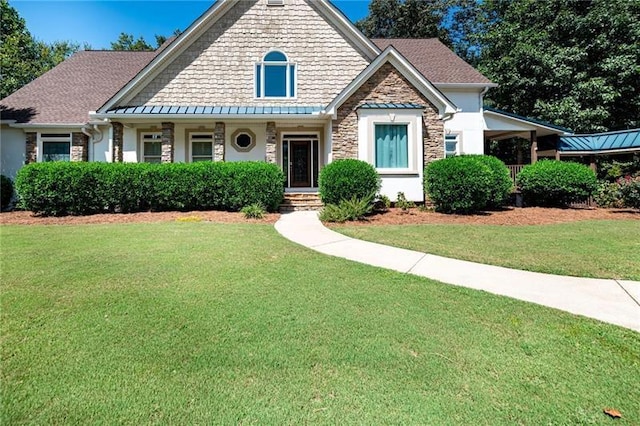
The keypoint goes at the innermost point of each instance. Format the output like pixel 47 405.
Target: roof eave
pixel 465 85
pixel 565 132
pixel 156 117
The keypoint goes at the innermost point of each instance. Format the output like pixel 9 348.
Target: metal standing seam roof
pixel 391 106
pixel 217 110
pixel 610 141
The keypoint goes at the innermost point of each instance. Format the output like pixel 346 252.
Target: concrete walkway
pixel 613 301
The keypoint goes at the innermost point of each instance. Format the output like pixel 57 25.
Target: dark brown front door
pixel 300 164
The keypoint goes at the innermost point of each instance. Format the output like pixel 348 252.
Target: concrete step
pixel 300 201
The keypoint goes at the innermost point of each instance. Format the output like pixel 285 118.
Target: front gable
pixel 216 65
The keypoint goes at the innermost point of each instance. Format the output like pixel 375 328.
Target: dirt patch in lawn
pixel 512 216
pixel 27 218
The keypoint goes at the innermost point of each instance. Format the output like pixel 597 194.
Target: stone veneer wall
pixel 218 142
pixel 31 148
pixel 118 142
pixel 168 138
pixel 271 142
pixel 387 85
pixel 218 68
pixel 79 147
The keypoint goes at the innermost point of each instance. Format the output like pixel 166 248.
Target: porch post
pixel 118 142
pixel 31 148
pixel 534 147
pixel 218 141
pixel 167 142
pixel 271 142
pixel 592 163
pixel 519 158
pixel 79 147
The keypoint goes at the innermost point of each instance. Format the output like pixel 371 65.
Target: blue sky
pixel 100 22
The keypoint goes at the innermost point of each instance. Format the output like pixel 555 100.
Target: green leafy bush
pixel 630 190
pixel 608 195
pixel 382 203
pixel 345 179
pixel 556 183
pixel 403 204
pixel 253 211
pixel 501 184
pixel 60 188
pixel 6 191
pixel 462 184
pixel 347 210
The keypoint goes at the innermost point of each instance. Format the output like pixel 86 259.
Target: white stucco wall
pixel 12 151
pixel 257 153
pixel 468 123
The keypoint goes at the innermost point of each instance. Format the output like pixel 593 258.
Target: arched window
pixel 275 76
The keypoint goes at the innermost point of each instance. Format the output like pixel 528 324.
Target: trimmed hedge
pixel 342 180
pixel 467 183
pixel 6 191
pixel 555 183
pixel 62 188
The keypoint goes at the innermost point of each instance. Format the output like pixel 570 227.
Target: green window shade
pixel 153 149
pixel 202 149
pixel 56 151
pixel 392 148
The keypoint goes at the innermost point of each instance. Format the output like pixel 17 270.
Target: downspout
pixel 90 132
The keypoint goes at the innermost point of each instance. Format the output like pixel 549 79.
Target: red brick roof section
pixel 434 60
pixel 82 83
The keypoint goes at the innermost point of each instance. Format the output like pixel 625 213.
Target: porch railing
pixel 514 169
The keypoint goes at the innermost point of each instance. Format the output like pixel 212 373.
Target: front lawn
pixel 200 323
pixel 603 248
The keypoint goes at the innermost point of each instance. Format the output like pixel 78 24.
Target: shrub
pixel 404 204
pixel 6 191
pixel 85 188
pixel 556 183
pixel 458 184
pixel 501 184
pixel 345 179
pixel 253 211
pixel 347 210
pixel 630 190
pixel 608 195
pixel 382 203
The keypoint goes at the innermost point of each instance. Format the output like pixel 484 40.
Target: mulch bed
pixel 27 218
pixel 511 216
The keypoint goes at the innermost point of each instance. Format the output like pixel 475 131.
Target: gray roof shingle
pixel 434 60
pixel 82 83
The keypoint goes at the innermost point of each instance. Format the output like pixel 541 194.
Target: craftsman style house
pixel 290 82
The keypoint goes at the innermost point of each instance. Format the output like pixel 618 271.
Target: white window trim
pixel 42 140
pixel 287 64
pixel 143 157
pixel 458 136
pixel 367 120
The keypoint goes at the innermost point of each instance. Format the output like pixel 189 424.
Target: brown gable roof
pixel 82 83
pixel 434 60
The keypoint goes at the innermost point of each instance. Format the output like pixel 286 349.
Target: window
pixel 201 146
pixel 391 146
pixel 275 76
pixel 56 146
pixel 451 145
pixel 243 140
pixel 152 147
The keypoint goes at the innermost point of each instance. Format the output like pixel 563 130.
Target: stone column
pixel 118 142
pixel 271 142
pixel 79 147
pixel 534 147
pixel 218 142
pixel 168 138
pixel 31 148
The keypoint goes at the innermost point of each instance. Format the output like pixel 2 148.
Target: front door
pixel 300 164
pixel 300 160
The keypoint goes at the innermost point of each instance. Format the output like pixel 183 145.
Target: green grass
pixel 198 323
pixel 602 249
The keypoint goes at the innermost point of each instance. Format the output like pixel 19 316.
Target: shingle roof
pixel 82 83
pixel 434 60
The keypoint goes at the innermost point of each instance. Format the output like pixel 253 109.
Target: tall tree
pixel 127 42
pixel 575 63
pixel 406 19
pixel 22 58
